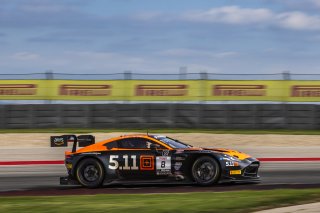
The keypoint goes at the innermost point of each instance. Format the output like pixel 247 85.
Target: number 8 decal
pixel 163 164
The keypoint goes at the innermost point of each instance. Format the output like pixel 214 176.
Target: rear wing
pixel 63 140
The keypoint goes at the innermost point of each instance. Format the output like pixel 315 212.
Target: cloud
pixel 231 15
pixel 25 56
pixel 184 52
pixel 294 20
pixel 298 21
pixel 225 54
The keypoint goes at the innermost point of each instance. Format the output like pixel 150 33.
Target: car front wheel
pixel 206 171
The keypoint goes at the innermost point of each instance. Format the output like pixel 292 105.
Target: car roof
pixel 146 136
pixel 100 146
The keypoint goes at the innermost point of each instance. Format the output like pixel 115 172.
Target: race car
pixel 151 158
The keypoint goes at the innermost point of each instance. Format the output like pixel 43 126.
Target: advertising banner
pixel 22 90
pixel 246 90
pixel 88 90
pixel 165 90
pixel 304 91
pixel 156 90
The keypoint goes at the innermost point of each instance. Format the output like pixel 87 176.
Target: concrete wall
pixel 210 116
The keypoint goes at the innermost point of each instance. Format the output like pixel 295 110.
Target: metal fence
pixel 181 75
pixel 146 116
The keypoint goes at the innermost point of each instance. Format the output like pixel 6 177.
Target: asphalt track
pixel 44 180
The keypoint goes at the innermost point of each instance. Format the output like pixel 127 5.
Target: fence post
pixel 127 75
pixel 285 77
pixel 49 77
pixel 183 73
pixel 203 86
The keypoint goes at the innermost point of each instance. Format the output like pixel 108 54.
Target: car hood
pixel 231 152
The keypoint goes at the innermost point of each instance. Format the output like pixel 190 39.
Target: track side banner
pixel 88 90
pixel 156 90
pixel 23 90
pixel 303 91
pixel 166 90
pixel 246 90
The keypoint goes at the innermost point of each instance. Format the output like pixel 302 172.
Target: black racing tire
pixel 206 171
pixel 90 173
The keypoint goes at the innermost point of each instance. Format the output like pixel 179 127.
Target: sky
pixel 152 36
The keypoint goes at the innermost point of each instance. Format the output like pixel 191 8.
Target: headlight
pixel 230 158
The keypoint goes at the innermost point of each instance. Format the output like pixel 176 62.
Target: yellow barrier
pixel 154 90
pixel 23 90
pixel 165 90
pixel 246 90
pixel 304 91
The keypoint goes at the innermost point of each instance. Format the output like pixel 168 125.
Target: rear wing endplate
pixel 63 140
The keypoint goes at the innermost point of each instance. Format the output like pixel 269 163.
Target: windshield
pixel 172 142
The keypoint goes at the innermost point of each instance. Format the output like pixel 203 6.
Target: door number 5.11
pixel 114 163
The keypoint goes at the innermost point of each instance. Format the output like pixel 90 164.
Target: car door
pixel 138 161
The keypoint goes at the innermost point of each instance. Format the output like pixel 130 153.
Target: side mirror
pixel 154 147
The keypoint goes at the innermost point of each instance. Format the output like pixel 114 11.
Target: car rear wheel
pixel 206 171
pixel 90 173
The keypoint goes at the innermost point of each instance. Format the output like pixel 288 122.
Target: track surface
pixel 44 180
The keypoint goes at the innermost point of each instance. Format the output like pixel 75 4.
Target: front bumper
pixel 247 171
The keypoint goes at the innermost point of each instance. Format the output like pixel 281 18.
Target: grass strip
pixel 236 201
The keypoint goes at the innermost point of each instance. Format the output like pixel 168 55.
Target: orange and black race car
pixel 151 158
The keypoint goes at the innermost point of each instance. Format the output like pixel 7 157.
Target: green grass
pixel 212 131
pixel 236 201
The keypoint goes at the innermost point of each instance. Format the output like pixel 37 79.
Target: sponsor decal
pixel 146 162
pixel 165 152
pixel 231 163
pixel 84 90
pixel 305 91
pixel 239 90
pixel 18 89
pixel 114 162
pixel 177 165
pixel 162 90
pixel 235 172
pixel 163 165
pixel 58 141
pixel 180 158
pixel 71 139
